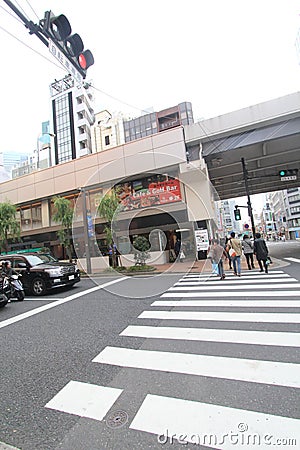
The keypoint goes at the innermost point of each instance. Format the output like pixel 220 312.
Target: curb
pixel 277 263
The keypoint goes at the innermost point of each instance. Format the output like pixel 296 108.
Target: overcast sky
pixel 220 55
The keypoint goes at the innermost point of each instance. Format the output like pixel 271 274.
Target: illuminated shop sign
pixel 156 190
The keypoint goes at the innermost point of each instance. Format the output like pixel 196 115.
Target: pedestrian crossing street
pixel 185 320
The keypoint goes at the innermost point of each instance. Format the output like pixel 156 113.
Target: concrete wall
pixel 148 154
pixel 261 114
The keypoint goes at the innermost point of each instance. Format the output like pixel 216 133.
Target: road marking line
pixel 234 294
pixel 276 338
pixel 251 274
pixel 222 316
pixel 43 308
pixel 234 282
pixel 223 286
pixel 212 426
pixel 42 299
pixel 85 400
pixel 297 260
pixel 253 371
pixel 230 303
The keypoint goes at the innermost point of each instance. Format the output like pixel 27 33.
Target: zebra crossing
pixel 186 322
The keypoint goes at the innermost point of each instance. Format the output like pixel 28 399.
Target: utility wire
pixel 31 48
pixel 12 15
pixel 118 100
pixel 33 10
pixel 25 14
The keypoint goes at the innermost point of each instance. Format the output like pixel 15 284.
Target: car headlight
pixel 76 268
pixel 54 272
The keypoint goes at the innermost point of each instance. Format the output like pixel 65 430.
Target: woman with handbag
pixel 248 251
pixel 235 252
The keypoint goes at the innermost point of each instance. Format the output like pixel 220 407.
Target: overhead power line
pixel 31 48
pixel 33 10
pixel 24 12
pixel 12 15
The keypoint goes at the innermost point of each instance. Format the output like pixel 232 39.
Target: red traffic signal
pixel 86 59
pixel 59 30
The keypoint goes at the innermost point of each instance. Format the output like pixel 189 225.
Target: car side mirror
pixel 22 265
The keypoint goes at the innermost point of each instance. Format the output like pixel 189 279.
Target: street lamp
pixel 38 149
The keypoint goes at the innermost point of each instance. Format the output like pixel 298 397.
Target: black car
pixel 42 272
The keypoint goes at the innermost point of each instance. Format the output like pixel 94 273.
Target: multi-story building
pixel 229 223
pixel 107 131
pixel 3 173
pixel 279 212
pixel 292 204
pixel 11 159
pixel 41 157
pixel 160 198
pixel 72 118
pixel 267 219
pixel 156 122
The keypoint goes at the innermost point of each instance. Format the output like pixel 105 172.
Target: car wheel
pixel 38 286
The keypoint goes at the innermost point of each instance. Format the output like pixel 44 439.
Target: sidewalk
pixel 189 266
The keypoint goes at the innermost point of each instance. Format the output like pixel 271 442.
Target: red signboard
pixel 156 193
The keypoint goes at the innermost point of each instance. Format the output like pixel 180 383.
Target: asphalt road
pixel 122 363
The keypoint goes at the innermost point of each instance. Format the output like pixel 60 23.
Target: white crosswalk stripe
pixel 273 273
pixel 269 372
pixel 282 339
pixel 296 260
pixel 222 316
pixel 235 293
pixel 224 286
pixel 173 420
pixel 170 418
pixel 239 303
pixel 233 281
pixel 85 400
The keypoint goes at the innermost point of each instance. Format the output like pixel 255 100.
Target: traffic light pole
pixel 250 210
pixel 86 232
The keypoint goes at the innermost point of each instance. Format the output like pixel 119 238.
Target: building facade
pixel 156 122
pixel 107 131
pixel 161 197
pixel 72 118
pixel 292 204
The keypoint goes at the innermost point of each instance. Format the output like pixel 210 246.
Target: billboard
pixel 147 192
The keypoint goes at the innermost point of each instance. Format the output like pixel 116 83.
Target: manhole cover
pixel 117 419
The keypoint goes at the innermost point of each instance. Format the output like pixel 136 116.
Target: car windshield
pixel 34 260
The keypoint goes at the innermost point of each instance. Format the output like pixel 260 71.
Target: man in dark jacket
pixel 261 251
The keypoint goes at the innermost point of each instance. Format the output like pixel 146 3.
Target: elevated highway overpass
pixel 267 135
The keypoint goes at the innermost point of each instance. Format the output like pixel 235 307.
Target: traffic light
pixel 59 30
pixel 237 214
pixel 288 172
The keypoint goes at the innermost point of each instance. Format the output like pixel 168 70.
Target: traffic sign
pixel 289 178
pixel 246 226
pixel 58 54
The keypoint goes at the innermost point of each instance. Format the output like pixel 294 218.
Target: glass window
pixel 36 212
pixel 25 219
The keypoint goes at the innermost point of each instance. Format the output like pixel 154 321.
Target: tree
pixel 9 225
pixel 64 215
pixel 142 246
pixel 107 209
